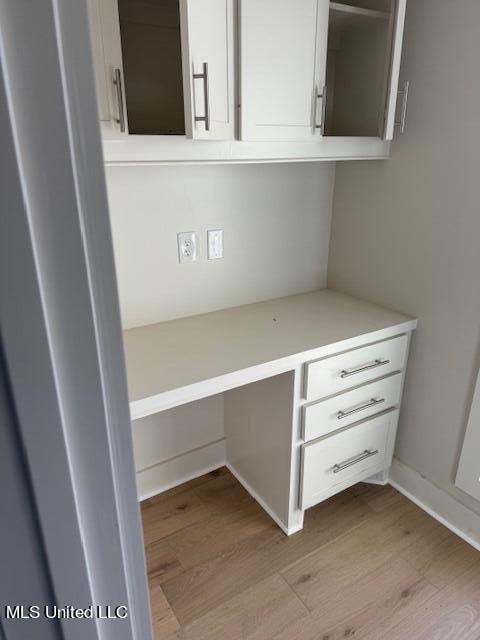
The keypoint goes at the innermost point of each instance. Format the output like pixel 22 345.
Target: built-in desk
pixel 312 388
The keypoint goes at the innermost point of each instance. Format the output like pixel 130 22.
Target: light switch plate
pixel 187 246
pixel 215 244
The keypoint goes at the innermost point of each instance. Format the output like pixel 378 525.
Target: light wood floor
pixel 368 564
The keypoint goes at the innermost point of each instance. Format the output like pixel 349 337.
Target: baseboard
pixel 381 478
pixel 436 502
pixel 171 473
pixel 288 531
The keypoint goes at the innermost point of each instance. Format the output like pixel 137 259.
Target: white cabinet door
pixel 208 49
pixel 468 474
pixel 108 67
pixel 392 94
pixel 283 46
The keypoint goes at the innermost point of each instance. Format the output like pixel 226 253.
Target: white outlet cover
pixel 187 246
pixel 215 244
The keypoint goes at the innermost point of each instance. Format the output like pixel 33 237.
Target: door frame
pixel 60 320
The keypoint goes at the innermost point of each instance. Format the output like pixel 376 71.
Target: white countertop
pixel 170 356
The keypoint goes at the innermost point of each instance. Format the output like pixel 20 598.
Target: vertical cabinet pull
pixel 323 96
pixel 206 100
pixel 117 81
pixel 368 453
pixel 403 115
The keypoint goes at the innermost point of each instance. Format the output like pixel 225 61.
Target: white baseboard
pixel 381 478
pixel 180 469
pixel 262 503
pixel 436 502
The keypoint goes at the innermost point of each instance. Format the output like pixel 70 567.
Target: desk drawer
pixel 329 415
pixel 334 463
pixel 346 370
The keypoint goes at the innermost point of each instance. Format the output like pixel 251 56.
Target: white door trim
pixel 60 318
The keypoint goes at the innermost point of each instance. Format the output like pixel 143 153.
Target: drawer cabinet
pixel 338 461
pixel 329 415
pixel 350 369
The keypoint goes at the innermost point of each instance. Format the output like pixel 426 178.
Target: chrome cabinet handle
pixel 403 117
pixel 206 99
pixel 322 95
pixel 368 453
pixel 117 81
pixel 346 373
pixel 349 412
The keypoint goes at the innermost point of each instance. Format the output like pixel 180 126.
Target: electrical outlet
pixel 215 244
pixel 187 246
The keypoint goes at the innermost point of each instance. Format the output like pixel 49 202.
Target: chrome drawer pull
pixel 349 412
pixel 346 373
pixel 368 453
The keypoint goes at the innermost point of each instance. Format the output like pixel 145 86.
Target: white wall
pixel 277 228
pixel 173 446
pixel 406 233
pixel 276 220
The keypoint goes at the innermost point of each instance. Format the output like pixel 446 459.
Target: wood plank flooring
pixel 369 564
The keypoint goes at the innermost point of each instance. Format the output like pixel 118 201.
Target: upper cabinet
pixel 207 36
pixel 283 47
pixel 165 67
pixel 363 62
pixel 108 65
pixel 314 68
pixel 321 77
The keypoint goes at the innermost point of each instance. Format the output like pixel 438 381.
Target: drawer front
pixel 334 463
pixel 346 370
pixel 326 416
